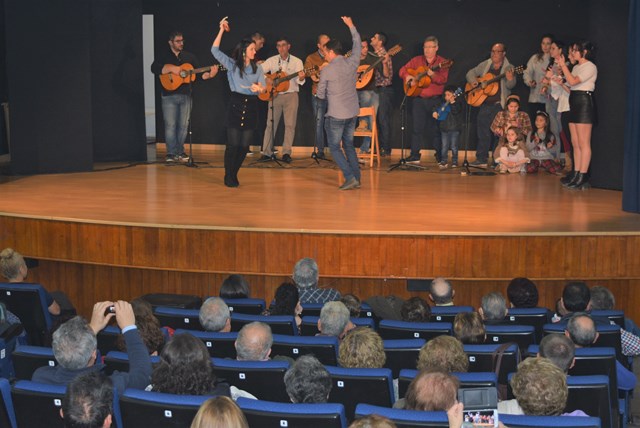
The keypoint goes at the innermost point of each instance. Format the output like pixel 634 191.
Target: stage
pixel 126 230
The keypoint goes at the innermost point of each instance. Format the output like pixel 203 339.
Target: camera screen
pixel 481 418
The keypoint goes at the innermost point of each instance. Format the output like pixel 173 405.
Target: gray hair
pixel 74 343
pixel 494 306
pixel 433 39
pixel 334 317
pixel 602 298
pixel 214 314
pixel 582 329
pixel 254 342
pixel 308 381
pixel 441 291
pixel 305 273
pixel 559 349
pixel 10 263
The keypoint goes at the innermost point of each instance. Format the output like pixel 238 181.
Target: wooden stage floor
pixel 304 197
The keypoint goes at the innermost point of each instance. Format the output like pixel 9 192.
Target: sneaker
pixel 352 183
pixel 442 165
pixel 286 158
pixel 183 157
pixel 479 163
pixel 454 165
pixel 320 155
pixel 265 158
pixel 171 158
pixel 413 159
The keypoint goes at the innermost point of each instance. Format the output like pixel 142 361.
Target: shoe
pixel 503 171
pixel 580 182
pixel 230 182
pixel 413 159
pixel 442 165
pixel 265 158
pixel 383 153
pixel 320 155
pixel 183 157
pixel 454 165
pixel 365 152
pixel 249 153
pixel 170 158
pixel 482 164
pixel 358 185
pixel 286 158
pixel 352 183
pixel 567 179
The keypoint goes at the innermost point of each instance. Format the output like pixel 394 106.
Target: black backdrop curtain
pixel 631 176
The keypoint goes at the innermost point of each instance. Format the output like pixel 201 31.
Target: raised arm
pixel 215 47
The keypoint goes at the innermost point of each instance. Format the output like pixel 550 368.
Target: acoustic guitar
pixel 488 86
pixel 421 78
pixel 444 110
pixel 279 82
pixel 365 72
pixel 171 82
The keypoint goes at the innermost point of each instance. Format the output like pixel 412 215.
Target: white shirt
pixel 588 73
pixel 289 65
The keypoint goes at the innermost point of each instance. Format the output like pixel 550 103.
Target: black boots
pixel 580 182
pixel 230 172
pixel 567 179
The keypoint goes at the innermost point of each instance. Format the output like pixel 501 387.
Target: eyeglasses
pixel 496 51
pixel 178 41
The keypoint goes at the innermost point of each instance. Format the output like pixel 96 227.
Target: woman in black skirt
pixel 582 114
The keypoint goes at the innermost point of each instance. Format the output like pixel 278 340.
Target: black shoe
pixel 265 158
pixel 230 182
pixel 171 158
pixel 580 182
pixel 567 179
pixel 352 183
pixel 286 158
pixel 413 159
pixel 320 155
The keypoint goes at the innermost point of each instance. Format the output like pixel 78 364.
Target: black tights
pixel 238 141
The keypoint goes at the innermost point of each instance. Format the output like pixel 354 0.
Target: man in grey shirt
pixel 338 86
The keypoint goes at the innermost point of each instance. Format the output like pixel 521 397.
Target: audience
pixel 307 381
pixel 441 292
pixel 469 329
pixel 416 309
pixel 88 402
pixel 493 309
pixel 219 412
pixel 306 277
pixel 215 315
pixel 558 349
pixel 443 353
pixel 362 348
pixel 374 421
pixel 254 342
pixel 431 391
pixel 603 299
pixel 286 302
pixel 235 287
pixel 352 302
pixel 334 320
pixel 522 293
pixel 74 347
pixel 148 326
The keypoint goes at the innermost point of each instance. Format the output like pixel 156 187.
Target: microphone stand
pixel 314 154
pixel 402 163
pixel 465 170
pixel 272 158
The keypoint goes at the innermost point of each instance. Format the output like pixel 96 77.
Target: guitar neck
pixel 206 69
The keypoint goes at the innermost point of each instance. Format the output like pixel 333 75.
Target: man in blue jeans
pixel 176 104
pixel 338 86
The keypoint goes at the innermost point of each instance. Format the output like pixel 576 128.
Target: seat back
pixel 390 329
pixel 614 315
pixel 26 359
pixel 353 386
pixel 117 360
pixel 219 345
pixel 523 421
pixel 178 318
pixel 535 317
pixel 447 313
pixel 608 336
pixel 405 418
pixel 467 380
pixel 261 413
pixel 246 306
pixel 263 379
pixel 28 302
pixel 7 415
pixel 402 354
pixel 156 409
pixel 481 359
pixel 37 404
pixel 309 325
pixel 168 300
pixel 591 395
pixel 523 335
pixel 280 324
pixel 108 339
pixel 324 348
pixel 7 346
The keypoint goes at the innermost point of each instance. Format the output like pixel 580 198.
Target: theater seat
pixel 219 345
pixel 261 413
pixel 263 379
pixel 27 359
pixel 390 329
pixel 159 410
pixel 7 415
pixel 37 405
pixel 405 418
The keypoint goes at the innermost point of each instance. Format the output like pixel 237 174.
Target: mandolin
pixel 488 85
pixel 171 82
pixel 365 72
pixel 421 76
pixel 279 82
pixel 444 110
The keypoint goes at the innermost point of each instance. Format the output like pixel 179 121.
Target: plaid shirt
pixel 318 295
pixel 380 79
pixel 630 343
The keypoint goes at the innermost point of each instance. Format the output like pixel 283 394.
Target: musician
pixel 367 96
pixel 497 64
pixel 318 59
pixel 176 105
pixel 338 86
pixel 383 76
pixel 245 80
pixel 284 103
pixel 429 99
pixel 259 40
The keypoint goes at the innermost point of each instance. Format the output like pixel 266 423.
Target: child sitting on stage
pixel 512 155
pixel 543 148
pixel 511 116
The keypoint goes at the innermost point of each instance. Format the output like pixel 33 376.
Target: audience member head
pixel 469 328
pixel 307 381
pixel 558 349
pixel 88 401
pixel 493 307
pixel 254 342
pixel 416 309
pixel 373 421
pixel 215 315
pixel 441 292
pixel 362 348
pixel 306 274
pixel 219 412
pixel 286 300
pixel 235 287
pixel 522 293
pixel 148 326
pixel 602 298
pixel 352 302
pixel 432 391
pixel 540 387
pixel 581 330
pixel 576 297
pixel 184 368
pixel 443 353
pixel 334 319
pixel 12 265
pixel 74 344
